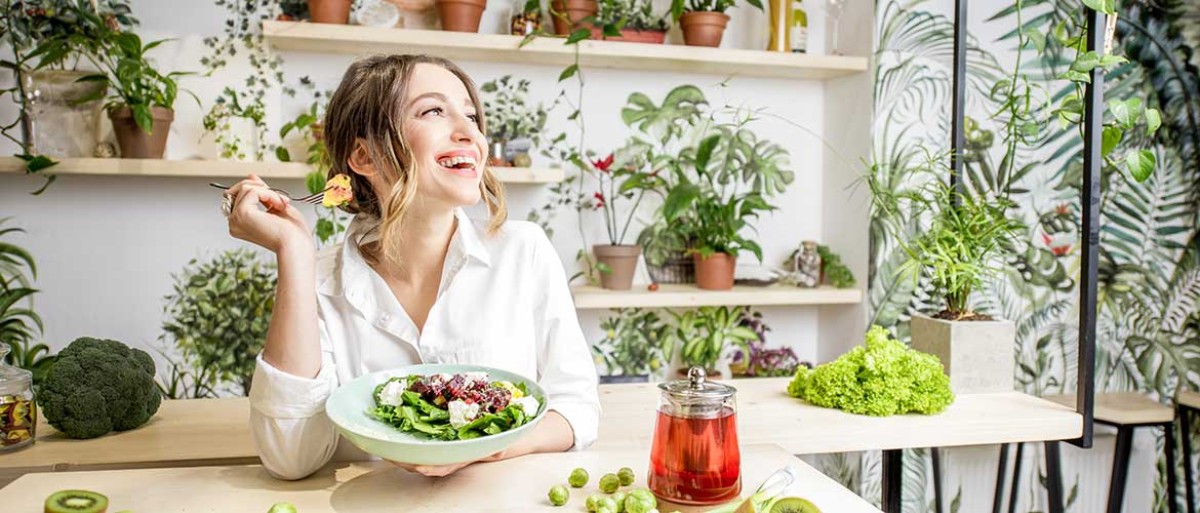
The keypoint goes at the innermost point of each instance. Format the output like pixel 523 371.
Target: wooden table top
pixel 216 431
pixel 766 414
pixel 516 485
pixel 182 433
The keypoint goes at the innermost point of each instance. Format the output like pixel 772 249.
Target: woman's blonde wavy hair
pixel 368 106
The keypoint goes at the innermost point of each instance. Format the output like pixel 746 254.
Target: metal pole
pixel 958 98
pixel 1093 118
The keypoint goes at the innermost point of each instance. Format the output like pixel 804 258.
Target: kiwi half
pixel 793 505
pixel 76 501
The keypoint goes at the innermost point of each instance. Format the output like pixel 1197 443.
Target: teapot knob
pixel 697 376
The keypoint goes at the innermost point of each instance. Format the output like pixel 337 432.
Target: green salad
pixel 453 406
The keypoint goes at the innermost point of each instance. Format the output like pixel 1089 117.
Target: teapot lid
pixel 697 388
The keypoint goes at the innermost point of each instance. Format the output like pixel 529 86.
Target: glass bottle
pixel 694 458
pixel 799 27
pixel 18 414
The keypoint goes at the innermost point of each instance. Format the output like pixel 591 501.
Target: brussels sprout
pixel 609 483
pixel 579 478
pixel 593 502
pixel 282 507
pixel 638 502
pixel 559 495
pixel 626 475
pixel 608 502
pixel 604 509
pixel 619 498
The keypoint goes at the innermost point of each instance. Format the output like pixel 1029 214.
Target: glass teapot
pixel 694 458
pixel 18 415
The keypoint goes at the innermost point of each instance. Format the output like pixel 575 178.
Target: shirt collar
pixel 353 276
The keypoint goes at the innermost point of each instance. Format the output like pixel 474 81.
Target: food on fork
pixel 337 191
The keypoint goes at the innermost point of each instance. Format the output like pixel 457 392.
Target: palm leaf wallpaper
pixel 1148 329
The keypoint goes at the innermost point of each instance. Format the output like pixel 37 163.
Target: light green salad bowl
pixel 349 404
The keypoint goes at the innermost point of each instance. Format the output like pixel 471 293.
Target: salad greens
pixel 453 407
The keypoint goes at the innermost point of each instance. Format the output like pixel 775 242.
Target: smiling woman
pixel 416 280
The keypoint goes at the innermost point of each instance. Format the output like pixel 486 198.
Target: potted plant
pixel 635 346
pixel 461 15
pixel 705 334
pixel 330 11
pixel 704 21
pixel 752 358
pixel 239 125
pixel 218 315
pixel 569 14
pixel 50 41
pixel 141 106
pixel 619 179
pixel 629 20
pixel 952 237
pixel 672 137
pixel 512 122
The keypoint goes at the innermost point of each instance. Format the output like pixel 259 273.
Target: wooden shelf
pixel 226 169
pixel 592 297
pixel 550 51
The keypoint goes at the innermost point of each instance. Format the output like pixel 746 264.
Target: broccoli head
pixel 97 386
pixel 882 377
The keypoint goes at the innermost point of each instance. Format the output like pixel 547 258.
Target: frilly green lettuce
pixel 882 377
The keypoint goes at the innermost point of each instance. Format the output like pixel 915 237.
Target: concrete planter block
pixel 977 355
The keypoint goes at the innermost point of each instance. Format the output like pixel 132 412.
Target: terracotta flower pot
pixel 575 10
pixel 703 28
pixel 654 37
pixel 329 11
pixel 715 272
pixel 461 15
pixel 136 143
pixel 621 261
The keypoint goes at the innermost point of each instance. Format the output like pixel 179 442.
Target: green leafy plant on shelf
pixel 133 80
pixel 705 334
pixel 710 170
pixel 635 343
pixel 630 14
pixel 509 114
pixel 20 325
pixel 229 106
pixel 218 316
pixel 50 35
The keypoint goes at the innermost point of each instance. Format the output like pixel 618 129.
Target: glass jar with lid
pixel 18 414
pixel 694 458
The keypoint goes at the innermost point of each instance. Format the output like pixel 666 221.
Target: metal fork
pixel 311 199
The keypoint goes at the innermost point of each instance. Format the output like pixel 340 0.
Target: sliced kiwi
pixel 76 501
pixel 793 505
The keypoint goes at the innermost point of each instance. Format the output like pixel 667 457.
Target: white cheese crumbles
pixel 529 404
pixel 462 413
pixel 476 377
pixel 393 392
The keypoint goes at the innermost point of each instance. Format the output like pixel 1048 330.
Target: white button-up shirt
pixel 503 302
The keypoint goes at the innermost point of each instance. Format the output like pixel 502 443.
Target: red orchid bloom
pixel 599 200
pixel 604 164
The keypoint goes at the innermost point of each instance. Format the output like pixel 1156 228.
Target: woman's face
pixel 441 130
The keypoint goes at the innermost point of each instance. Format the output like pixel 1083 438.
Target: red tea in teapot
pixel 696 460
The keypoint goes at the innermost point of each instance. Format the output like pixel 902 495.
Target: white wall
pixel 106 246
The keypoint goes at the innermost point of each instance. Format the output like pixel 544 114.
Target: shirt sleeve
pixel 292 434
pixel 565 366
